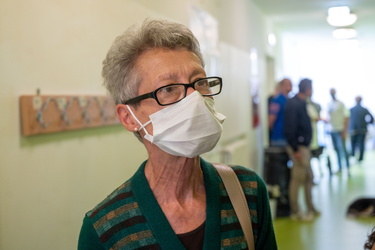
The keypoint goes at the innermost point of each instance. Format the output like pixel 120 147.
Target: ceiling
pixel 308 17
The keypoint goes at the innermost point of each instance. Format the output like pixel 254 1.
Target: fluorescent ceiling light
pixel 341 16
pixel 344 33
pixel 339 11
pixel 342 21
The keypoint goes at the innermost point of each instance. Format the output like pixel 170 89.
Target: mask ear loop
pixel 142 126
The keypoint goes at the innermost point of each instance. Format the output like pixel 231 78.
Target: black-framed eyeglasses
pixel 172 93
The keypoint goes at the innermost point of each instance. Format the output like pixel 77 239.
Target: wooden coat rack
pixel 41 114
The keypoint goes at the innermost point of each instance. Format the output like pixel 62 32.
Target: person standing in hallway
pixel 276 114
pixel 298 133
pixel 313 109
pixel 175 200
pixel 338 119
pixel 360 117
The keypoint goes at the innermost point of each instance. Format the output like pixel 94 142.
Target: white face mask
pixel 188 128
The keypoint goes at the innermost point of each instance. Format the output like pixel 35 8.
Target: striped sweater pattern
pixel 130 217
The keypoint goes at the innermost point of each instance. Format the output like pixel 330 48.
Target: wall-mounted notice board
pixel 41 114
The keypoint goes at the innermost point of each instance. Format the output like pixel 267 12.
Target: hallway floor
pixel 332 196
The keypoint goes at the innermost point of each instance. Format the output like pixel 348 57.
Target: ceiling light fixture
pixel 341 16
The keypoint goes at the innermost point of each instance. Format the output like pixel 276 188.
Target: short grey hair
pixel 121 78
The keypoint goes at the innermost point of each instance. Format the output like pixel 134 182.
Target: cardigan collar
pixel 158 222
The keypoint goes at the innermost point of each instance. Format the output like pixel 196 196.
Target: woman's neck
pixel 174 178
pixel 178 186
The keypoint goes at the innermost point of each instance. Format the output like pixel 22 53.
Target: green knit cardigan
pixel 131 218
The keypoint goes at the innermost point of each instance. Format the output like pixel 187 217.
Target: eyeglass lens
pixel 173 93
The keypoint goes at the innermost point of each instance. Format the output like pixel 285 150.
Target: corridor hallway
pixel 332 230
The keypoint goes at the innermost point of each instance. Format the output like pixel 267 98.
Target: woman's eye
pixel 203 83
pixel 168 89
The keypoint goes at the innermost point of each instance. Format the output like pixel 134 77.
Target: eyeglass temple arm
pixel 139 98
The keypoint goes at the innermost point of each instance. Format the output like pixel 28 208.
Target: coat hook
pixel 39 115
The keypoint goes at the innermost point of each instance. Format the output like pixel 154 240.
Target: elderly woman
pixel 176 200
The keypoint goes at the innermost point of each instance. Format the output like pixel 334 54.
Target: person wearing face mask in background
pixel 175 200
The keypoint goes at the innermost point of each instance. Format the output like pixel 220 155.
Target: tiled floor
pixel 332 229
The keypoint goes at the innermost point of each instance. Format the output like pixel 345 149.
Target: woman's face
pixel 160 67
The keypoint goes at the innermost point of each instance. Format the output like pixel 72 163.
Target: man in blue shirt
pixel 276 114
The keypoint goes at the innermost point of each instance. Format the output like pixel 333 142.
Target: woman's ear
pixel 126 118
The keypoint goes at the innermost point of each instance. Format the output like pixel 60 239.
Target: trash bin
pixel 277 172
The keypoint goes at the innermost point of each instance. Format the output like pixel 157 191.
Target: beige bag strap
pixel 237 197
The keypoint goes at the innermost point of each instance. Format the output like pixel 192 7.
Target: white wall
pixel 332 64
pixel 48 182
